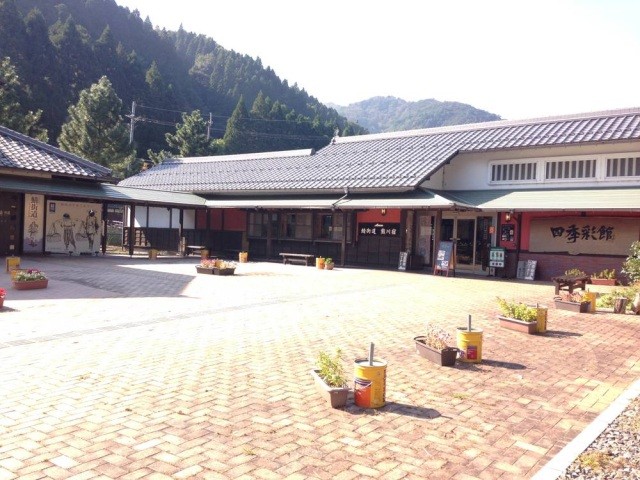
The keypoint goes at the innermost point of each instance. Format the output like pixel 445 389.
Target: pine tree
pixel 237 137
pixel 12 115
pixel 190 139
pixel 95 128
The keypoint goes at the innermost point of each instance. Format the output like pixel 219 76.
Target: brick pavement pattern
pixel 142 369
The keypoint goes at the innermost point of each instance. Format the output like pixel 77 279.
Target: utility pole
pixel 209 126
pixel 132 117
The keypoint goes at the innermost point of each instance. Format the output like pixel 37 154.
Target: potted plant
pixel 215 266
pixel 30 279
pixel 572 301
pixel 435 346
pixel 518 316
pixel 3 293
pixel 328 263
pixel 330 379
pixel 604 277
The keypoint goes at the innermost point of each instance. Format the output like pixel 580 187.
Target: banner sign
pixel 379 229
pixel 584 235
pixel 33 223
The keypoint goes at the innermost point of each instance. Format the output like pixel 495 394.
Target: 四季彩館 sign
pixel 586 235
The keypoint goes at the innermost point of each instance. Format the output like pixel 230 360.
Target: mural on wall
pixel 588 235
pixel 33 223
pixel 73 227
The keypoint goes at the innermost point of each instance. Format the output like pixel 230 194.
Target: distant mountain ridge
pixel 391 114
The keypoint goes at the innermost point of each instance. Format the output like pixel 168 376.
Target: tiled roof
pixel 18 151
pixel 391 161
pixel 84 189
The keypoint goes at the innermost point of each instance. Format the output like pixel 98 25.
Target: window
pixel 258 224
pixel 568 169
pixel 513 172
pixel 329 226
pixel 296 225
pixel 623 167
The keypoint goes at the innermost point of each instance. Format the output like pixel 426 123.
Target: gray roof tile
pixel 18 151
pixel 392 161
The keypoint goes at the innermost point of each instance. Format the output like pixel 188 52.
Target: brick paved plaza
pixel 141 369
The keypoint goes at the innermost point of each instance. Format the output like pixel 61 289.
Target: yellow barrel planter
pixel 541 319
pixel 590 297
pixel 370 383
pixel 12 263
pixel 469 342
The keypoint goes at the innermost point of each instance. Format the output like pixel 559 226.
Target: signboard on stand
pixel 445 260
pixel 497 257
pixel 402 260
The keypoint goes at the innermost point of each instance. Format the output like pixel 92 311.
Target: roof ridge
pixel 487 125
pixel 306 152
pixel 21 137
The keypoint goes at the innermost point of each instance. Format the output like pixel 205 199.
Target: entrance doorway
pixel 473 241
pixel 10 212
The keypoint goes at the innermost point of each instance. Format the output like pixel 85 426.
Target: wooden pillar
pixel 269 234
pixel 105 228
pixel 437 225
pixel 343 243
pixel 132 233
pixel 222 230
pixel 181 231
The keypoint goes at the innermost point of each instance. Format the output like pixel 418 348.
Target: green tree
pixel 12 115
pixel 190 139
pixel 95 128
pixel 237 137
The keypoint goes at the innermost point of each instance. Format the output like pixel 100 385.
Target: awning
pixel 280 202
pixel 414 199
pixel 551 199
pixel 98 191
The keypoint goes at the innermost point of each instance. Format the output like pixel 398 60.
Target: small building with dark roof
pixel 47 194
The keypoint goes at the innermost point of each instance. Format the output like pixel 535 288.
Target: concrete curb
pixel 558 464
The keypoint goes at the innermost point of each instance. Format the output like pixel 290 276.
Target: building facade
pixel 563 192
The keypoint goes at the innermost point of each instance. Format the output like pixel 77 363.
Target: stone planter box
pixel 518 325
pixel 581 307
pixel 31 284
pixel 445 357
pixel 335 396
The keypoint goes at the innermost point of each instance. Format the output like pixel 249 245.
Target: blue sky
pixel 514 58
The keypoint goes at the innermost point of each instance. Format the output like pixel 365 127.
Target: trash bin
pixel 541 319
pixel 153 254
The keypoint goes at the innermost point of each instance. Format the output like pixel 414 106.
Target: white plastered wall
pixel 470 171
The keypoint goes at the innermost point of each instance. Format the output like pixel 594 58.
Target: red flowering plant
pixel 3 292
pixel 30 275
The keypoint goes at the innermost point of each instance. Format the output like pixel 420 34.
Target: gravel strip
pixel 615 454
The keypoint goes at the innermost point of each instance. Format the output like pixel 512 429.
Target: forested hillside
pixel 59 49
pixel 390 114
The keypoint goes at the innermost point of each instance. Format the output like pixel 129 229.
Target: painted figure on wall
pixel 67 231
pixel 91 227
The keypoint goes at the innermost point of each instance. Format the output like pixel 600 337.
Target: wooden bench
pixel 305 258
pixel 189 249
pixel 569 283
